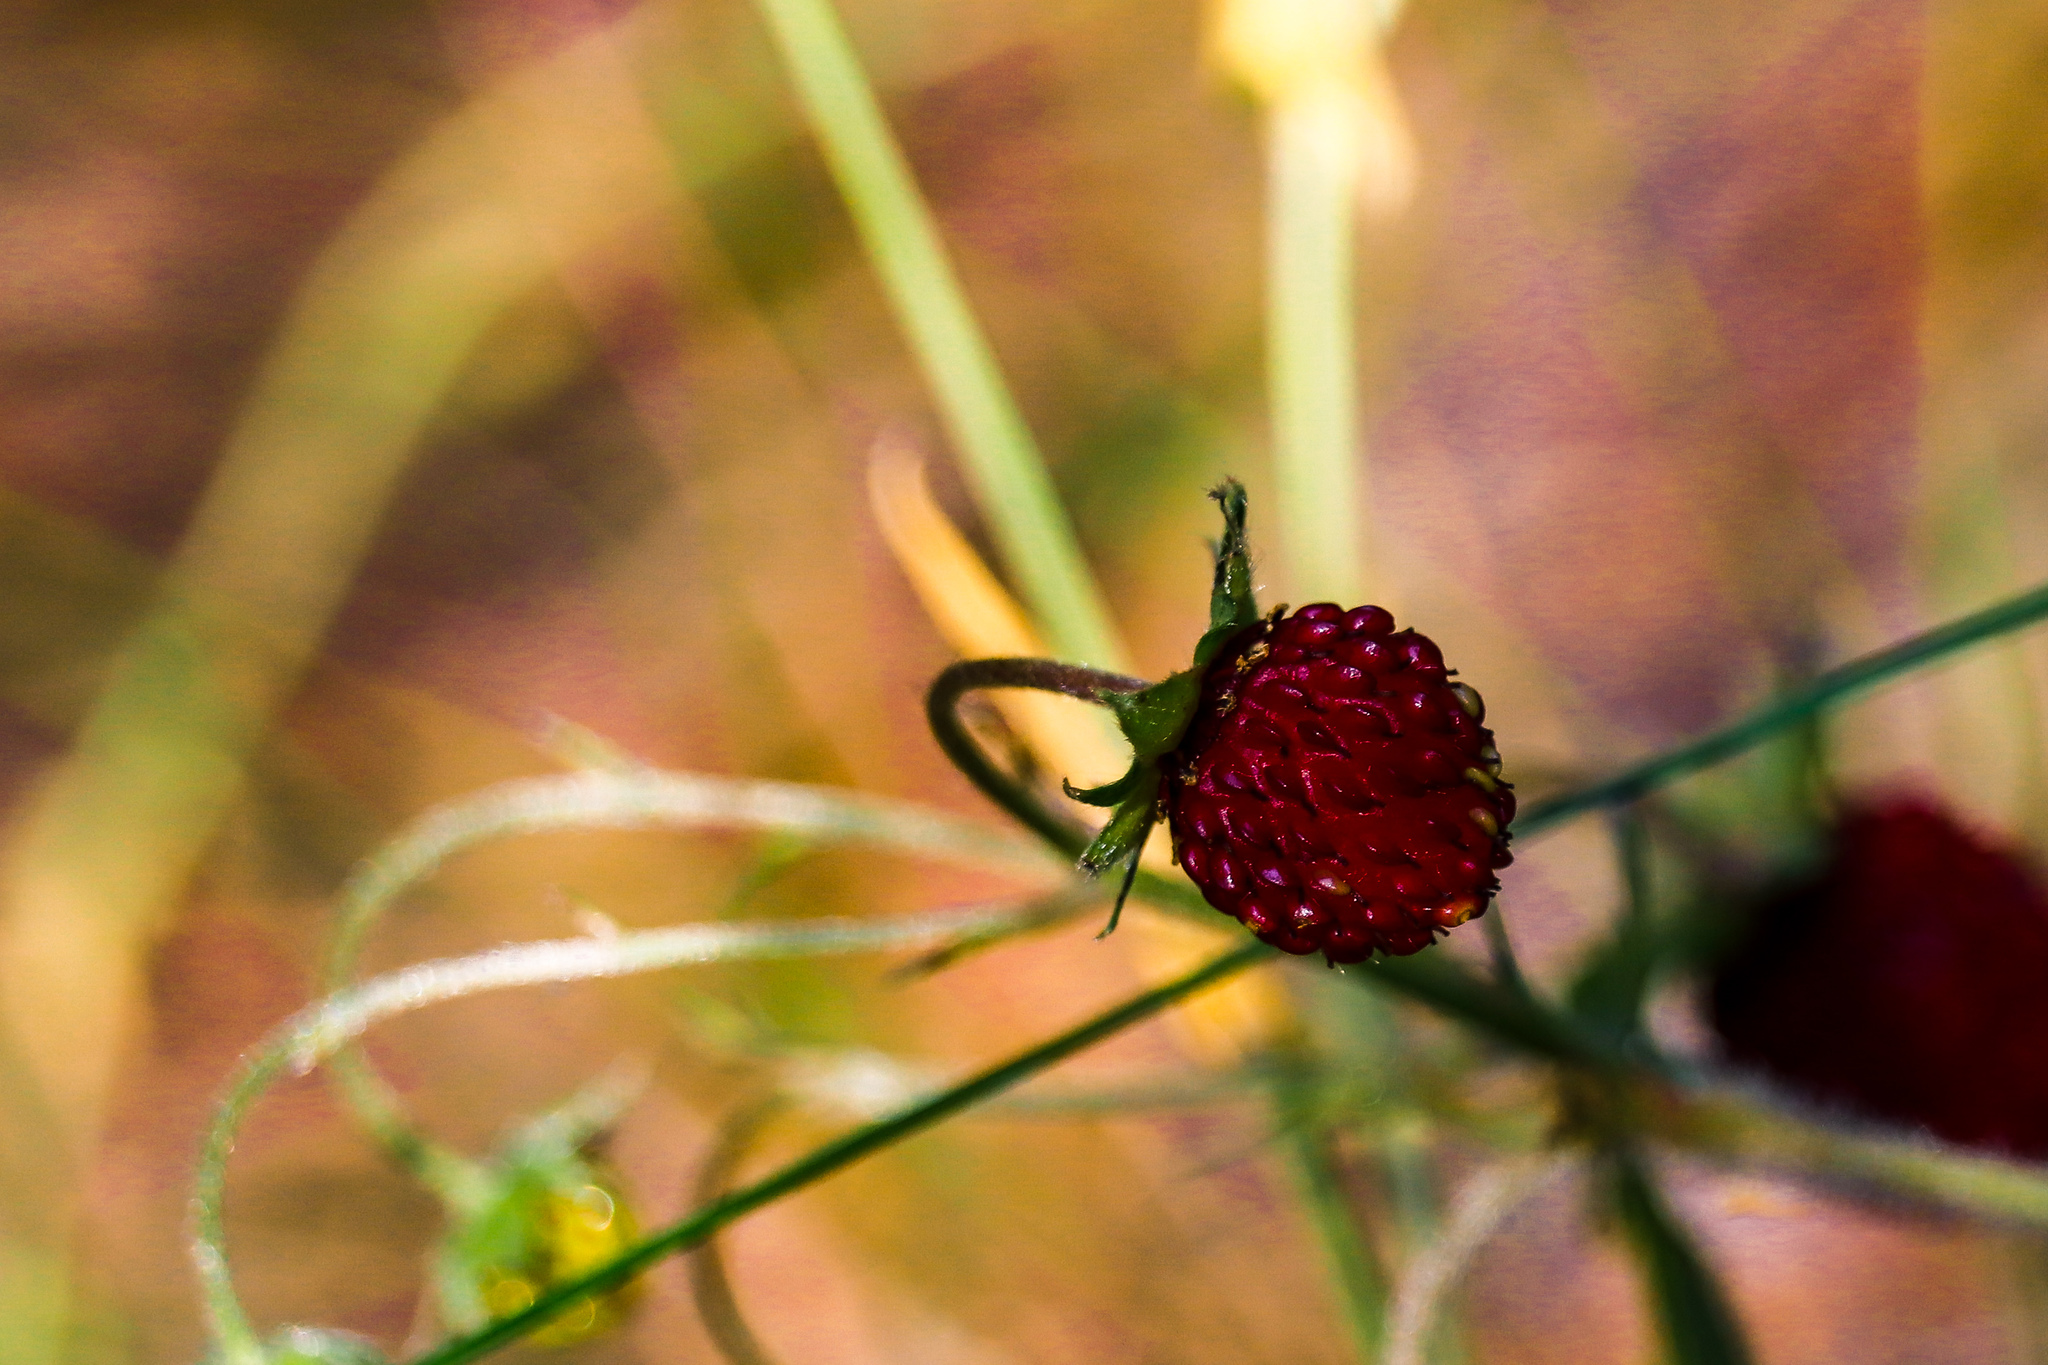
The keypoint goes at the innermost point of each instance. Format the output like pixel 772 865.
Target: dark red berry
pixel 1905 980
pixel 1336 791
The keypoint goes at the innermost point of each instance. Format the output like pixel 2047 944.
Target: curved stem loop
pixel 942 710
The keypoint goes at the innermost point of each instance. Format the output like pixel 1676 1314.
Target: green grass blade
pixel 1002 460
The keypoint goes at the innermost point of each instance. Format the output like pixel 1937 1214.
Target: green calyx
pixel 1155 719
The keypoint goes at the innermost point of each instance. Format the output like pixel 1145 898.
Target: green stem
pixel 1632 861
pixel 1511 1016
pixel 840 1153
pixel 1311 358
pixel 1831 687
pixel 1737 1128
pixel 1002 461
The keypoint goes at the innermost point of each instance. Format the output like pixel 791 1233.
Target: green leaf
pixel 1232 606
pixel 1692 1310
pixel 1611 987
pixel 1123 891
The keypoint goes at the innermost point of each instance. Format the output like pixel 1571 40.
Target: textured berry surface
pixel 1336 791
pixel 1905 981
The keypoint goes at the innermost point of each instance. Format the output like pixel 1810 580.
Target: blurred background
pixel 379 380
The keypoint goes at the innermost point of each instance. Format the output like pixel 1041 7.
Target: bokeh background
pixel 478 363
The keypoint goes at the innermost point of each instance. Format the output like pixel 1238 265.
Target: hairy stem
pixel 619 796
pixel 1741 1129
pixel 1482 1202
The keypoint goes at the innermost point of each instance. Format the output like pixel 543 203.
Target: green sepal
pixel 1155 719
pixel 544 1208
pixel 1123 892
pixel 1122 840
pixel 1232 606
pixel 1128 825
pixel 1109 793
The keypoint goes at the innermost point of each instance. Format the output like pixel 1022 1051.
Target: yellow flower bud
pixel 576 1223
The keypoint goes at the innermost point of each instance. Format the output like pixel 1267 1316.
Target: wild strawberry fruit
pixel 1903 980
pixel 1336 791
pixel 1325 781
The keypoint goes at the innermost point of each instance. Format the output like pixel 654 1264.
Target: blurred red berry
pixel 1908 980
pixel 1335 790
